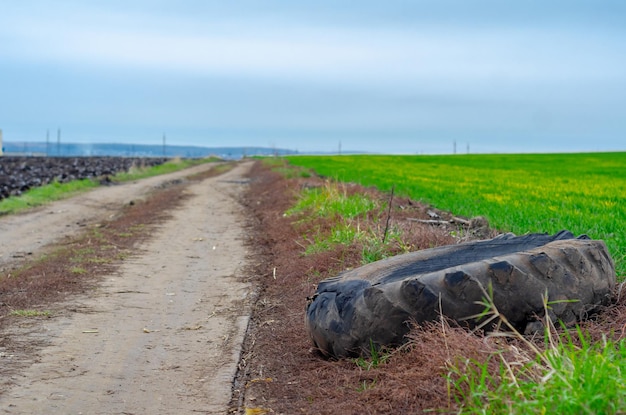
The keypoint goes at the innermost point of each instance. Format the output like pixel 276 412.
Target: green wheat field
pixel 521 193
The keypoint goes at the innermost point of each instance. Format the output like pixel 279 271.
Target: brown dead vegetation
pixel 281 373
pixel 278 347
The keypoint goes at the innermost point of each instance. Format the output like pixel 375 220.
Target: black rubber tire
pixel 376 302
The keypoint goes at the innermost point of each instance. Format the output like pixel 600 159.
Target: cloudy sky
pixel 381 76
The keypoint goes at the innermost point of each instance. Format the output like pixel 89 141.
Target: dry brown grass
pixel 282 374
pixel 278 346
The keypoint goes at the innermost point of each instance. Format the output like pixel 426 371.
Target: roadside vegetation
pixel 140 172
pixel 45 194
pixel 332 201
pixel 445 368
pixel 55 191
pixel 567 373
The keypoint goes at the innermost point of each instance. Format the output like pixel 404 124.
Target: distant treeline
pixel 135 150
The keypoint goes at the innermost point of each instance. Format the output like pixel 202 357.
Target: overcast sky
pixel 381 76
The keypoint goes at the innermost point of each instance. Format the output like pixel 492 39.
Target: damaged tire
pixel 377 302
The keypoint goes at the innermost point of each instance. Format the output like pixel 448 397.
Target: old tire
pixel 375 303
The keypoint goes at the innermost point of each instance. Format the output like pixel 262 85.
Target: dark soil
pixel 19 174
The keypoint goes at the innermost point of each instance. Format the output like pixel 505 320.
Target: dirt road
pixel 160 336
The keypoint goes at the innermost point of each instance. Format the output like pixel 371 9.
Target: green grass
pixel 45 194
pixel 78 270
pixel 377 357
pixel 572 380
pixel 332 200
pixel 171 166
pixel 345 210
pixel 30 313
pixel 342 233
pixel 55 191
pixel 567 376
pixel 521 193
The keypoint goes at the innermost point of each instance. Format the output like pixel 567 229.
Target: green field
pixel 584 193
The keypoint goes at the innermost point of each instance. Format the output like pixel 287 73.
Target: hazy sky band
pixel 381 76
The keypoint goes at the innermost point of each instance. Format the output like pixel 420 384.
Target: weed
pixel 122 255
pixel 82 255
pixel 30 313
pixel 85 251
pixel 372 251
pixel 377 357
pixel 332 200
pixel 347 232
pixel 96 233
pixel 366 384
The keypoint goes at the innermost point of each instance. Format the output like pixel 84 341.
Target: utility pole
pixel 59 142
pixel 163 145
pixel 454 147
pixel 339 147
